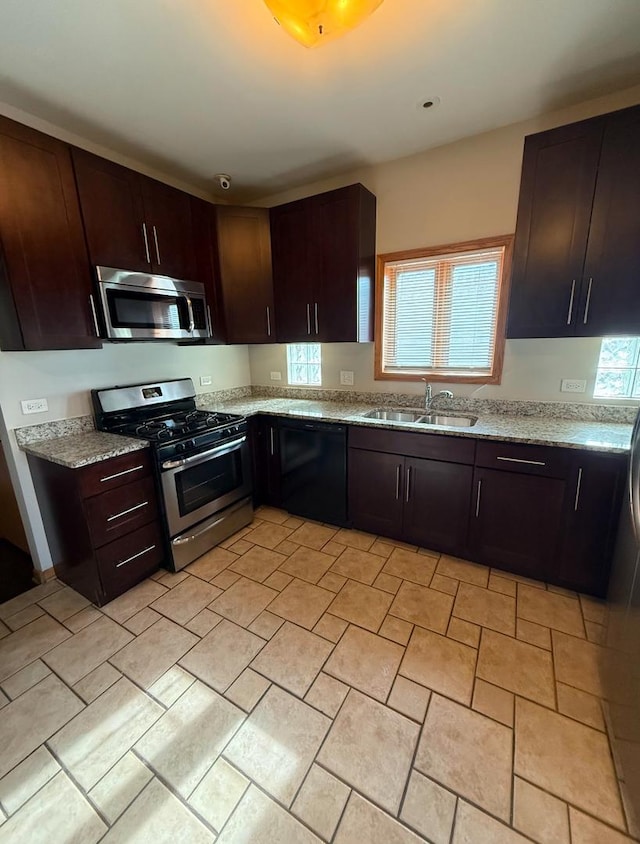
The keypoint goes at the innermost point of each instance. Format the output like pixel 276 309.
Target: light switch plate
pixel 34 406
pixel 276 376
pixel 573 385
pixel 346 377
pixel 205 381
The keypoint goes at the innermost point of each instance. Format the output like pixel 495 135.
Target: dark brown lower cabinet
pixel 102 523
pixel 375 491
pixel 265 455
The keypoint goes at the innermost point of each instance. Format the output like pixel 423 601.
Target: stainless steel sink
pixel 441 419
pixel 401 415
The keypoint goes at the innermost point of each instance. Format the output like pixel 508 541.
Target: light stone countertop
pixel 82 449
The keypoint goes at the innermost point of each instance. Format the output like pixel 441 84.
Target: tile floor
pixel 304 683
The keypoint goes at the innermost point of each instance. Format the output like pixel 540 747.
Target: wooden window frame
pixel 495 376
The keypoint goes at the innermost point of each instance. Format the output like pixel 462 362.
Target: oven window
pixel 146 310
pixel 198 486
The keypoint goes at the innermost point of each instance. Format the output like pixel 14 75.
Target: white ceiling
pixel 198 87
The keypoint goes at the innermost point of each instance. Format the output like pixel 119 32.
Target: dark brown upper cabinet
pixel 45 277
pixel 234 263
pixel 133 222
pixel 577 246
pixel 324 266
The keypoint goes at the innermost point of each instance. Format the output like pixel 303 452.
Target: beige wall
pixel 461 191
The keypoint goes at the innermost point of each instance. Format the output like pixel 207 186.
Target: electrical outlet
pixel 205 381
pixel 346 377
pixel 276 376
pixel 34 406
pixel 573 385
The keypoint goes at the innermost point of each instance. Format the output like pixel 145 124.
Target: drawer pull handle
pixel 126 512
pixel 135 556
pixel 120 474
pixel 518 460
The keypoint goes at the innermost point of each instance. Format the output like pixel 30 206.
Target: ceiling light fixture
pixel 314 22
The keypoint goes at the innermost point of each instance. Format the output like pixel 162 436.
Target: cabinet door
pixel 376 483
pixel 294 270
pixel 113 214
pixel 345 236
pixel 610 303
pixel 244 273
pixel 437 501
pixel 169 229
pixel 45 277
pixel 515 521
pixel 591 518
pixel 265 460
pixel 556 195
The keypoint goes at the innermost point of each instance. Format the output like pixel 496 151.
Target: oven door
pixel 202 485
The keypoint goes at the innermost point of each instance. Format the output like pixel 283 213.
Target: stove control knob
pixel 180 447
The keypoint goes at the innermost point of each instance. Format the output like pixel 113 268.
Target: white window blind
pixel 440 313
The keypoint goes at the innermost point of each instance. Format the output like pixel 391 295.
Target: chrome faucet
pixel 429 397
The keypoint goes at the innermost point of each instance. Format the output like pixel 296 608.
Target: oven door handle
pixel 205 455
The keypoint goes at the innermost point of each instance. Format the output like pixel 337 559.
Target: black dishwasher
pixel 313 467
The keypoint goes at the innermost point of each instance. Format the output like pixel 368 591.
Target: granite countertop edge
pixel 74 451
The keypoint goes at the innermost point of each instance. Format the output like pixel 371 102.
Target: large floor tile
pixel 99 736
pixel 577 662
pixel 258 563
pixel 259 820
pixel 463 570
pixel 86 650
pixel 243 601
pixel 410 565
pixel 222 655
pixel 486 608
pixel 32 718
pixel 313 535
pixel 475 827
pixel 363 822
pixel 156 815
pixel 152 653
pixel 361 605
pixel 516 666
pixel 358 565
pixel 293 658
pixel 371 748
pixel 22 647
pixel 277 744
pixel 302 603
pixel 425 607
pixel 366 662
pixel 136 599
pixel 568 759
pixel 58 812
pixel 307 564
pixel 550 610
pixel 586 830
pixel 440 664
pixel 185 742
pixel 479 769
pixel 186 599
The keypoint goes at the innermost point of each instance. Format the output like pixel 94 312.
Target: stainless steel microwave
pixel 136 306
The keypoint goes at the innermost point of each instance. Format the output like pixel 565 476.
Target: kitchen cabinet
pixel 577 245
pixel 45 277
pixel 265 454
pixel 375 492
pixel 133 222
pixel 323 266
pixel 102 523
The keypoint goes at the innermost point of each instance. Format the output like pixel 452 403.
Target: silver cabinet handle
pixel 146 243
pixel 273 447
pixel 588 302
pixel 571 298
pixel 578 485
pixel 126 512
pixel 478 494
pixel 315 309
pixel 135 556
pixel 268 321
pixel 517 460
pixel 308 318
pixel 155 238
pixel 408 495
pixel 397 482
pixel 120 474
pixel 92 305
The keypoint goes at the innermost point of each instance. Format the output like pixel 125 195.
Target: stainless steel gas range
pixel 202 459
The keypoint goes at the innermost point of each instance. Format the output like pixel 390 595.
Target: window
pixel 304 364
pixel 441 312
pixel 618 375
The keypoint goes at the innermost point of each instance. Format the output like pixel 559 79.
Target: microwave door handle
pixel 205 455
pixel 192 323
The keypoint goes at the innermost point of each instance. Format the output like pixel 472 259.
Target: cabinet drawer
pixel 114 473
pixel 525 459
pixel 120 511
pixel 128 560
pixel 432 446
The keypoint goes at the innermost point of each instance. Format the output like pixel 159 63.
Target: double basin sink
pixel 422 417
